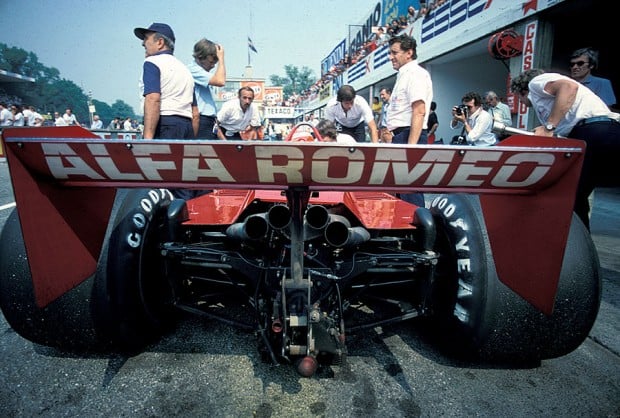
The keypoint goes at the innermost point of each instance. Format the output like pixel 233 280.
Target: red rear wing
pixel 64 181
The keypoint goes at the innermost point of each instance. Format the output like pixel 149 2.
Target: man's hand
pixel 386 136
pixel 541 131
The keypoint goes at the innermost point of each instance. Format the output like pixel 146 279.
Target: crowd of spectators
pixel 381 37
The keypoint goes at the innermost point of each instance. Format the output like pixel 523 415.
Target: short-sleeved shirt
pixel 586 105
pixel 413 83
pixel 359 112
pixel 204 95
pixel 232 118
pixel 70 119
pixel 18 119
pixel 6 117
pixel 28 116
pixel 163 73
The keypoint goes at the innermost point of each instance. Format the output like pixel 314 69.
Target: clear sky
pixel 91 42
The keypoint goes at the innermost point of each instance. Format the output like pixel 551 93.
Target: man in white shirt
pixel 59 120
pixel 167 86
pixel 28 116
pixel 97 123
pixel 352 113
pixel 127 124
pixel 498 109
pixel 6 117
pixel 477 123
pixel 329 133
pixel 565 107
pixel 38 119
pixel 238 115
pixel 410 102
pixel 34 118
pixel 70 118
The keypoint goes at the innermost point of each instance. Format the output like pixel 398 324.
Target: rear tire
pixel 66 323
pixel 481 316
pixel 134 302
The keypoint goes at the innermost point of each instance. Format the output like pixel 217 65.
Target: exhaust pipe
pixel 339 233
pixel 315 221
pixel 253 228
pixel 279 216
pixel 317 217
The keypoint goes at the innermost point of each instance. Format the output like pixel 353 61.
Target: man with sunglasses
pixel 477 123
pixel 567 108
pixel 582 62
pixel 206 55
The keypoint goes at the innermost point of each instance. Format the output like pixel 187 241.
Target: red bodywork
pixel 64 181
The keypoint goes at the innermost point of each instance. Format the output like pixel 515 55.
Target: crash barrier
pixel 108 134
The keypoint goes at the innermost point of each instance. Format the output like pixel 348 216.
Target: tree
pixel 105 112
pixel 296 80
pixel 122 109
pixel 50 92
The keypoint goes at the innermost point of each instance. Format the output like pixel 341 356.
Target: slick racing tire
pixel 479 316
pixel 133 303
pixel 66 323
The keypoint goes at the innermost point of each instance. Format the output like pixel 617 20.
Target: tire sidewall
pixel 464 289
pixel 129 260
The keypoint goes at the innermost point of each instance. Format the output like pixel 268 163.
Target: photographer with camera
pixel 477 123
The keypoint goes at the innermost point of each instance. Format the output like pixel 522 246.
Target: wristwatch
pixel 550 127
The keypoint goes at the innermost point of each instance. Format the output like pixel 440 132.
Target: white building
pixel 477 45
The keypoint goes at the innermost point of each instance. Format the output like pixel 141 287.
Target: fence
pixel 107 134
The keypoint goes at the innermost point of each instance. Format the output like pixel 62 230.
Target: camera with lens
pixel 460 110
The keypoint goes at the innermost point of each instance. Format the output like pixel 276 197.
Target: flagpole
pixel 251 31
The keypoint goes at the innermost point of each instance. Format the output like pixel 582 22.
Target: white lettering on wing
pixel 469 168
pixel 321 162
pixel 108 166
pixel 544 162
pixel 383 161
pixel 63 162
pixel 215 169
pixel 291 170
pixel 149 167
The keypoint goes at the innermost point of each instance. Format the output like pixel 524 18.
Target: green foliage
pixel 296 80
pixel 122 109
pixel 50 92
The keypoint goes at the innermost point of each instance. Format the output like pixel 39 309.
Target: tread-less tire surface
pixel 66 323
pixel 481 316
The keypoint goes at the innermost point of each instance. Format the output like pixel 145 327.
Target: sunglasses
pixel 577 63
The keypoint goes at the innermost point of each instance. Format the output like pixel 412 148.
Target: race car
pixel 300 242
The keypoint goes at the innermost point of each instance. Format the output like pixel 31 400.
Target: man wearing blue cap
pixel 168 86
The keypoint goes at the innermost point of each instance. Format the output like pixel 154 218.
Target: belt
pixel 207 117
pixel 173 117
pixel 396 131
pixel 595 119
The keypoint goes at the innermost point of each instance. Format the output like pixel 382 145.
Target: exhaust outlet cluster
pixel 318 222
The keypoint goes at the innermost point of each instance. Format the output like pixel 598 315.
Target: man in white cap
pixel 168 86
